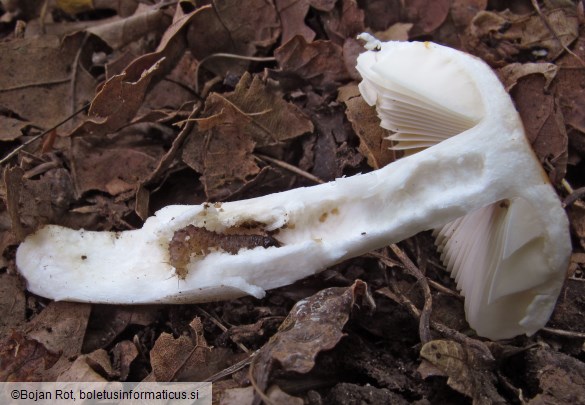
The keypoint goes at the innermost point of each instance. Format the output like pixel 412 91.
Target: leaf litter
pixel 210 101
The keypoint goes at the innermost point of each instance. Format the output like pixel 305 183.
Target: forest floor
pixel 109 114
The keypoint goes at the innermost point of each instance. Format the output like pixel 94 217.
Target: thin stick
pixel 290 168
pixel 218 323
pixel 233 368
pixel 551 29
pixel 565 333
pixel 34 138
pixel 425 315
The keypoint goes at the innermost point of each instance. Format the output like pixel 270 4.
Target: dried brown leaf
pixel 118 100
pixel 267 117
pixel 12 302
pixel 80 371
pixel 544 123
pixel 560 378
pixel 37 76
pixel 223 140
pixel 292 16
pixel 500 37
pixel 13 183
pixel 313 325
pixel 426 15
pixel 396 32
pixel 107 322
pixel 278 396
pixel 120 31
pixel 511 73
pixel 323 5
pixel 24 359
pixel 124 353
pixel 251 116
pixel 380 14
pixel 227 27
pixel 36 202
pixel 463 11
pixel 373 143
pixel 571 93
pixel 320 62
pixel 61 327
pixel 467 370
pixel 577 219
pixel 99 361
pixel 187 358
pixel 113 165
pixel 238 396
pixel 11 128
pixel 343 22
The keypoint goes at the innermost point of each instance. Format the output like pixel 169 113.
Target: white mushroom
pixel 502 230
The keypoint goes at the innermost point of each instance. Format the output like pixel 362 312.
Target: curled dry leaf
pixel 499 37
pixel 118 100
pixel 80 370
pixel 343 22
pixel 373 143
pixel 426 15
pixel 463 11
pixel 313 325
pixel 512 73
pixel 12 303
pixel 24 359
pixel 35 202
pixel 560 378
pixel 124 353
pixel 187 358
pixel 107 322
pixel 292 16
pixel 468 371
pixel 251 116
pixel 544 123
pixel 570 89
pixel 380 14
pixel 36 79
pixel 227 27
pixel 317 62
pixel 121 31
pixel 61 327
pixel 113 165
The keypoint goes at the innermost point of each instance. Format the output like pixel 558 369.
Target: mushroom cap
pixel 509 258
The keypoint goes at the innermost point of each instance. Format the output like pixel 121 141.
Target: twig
pixel 439 327
pixel 574 196
pixel 553 32
pixel 290 168
pixel 425 315
pixel 75 66
pixel 27 85
pixel 218 323
pixel 34 138
pixel 565 333
pixel 233 368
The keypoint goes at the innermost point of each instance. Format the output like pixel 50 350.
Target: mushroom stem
pixel 490 161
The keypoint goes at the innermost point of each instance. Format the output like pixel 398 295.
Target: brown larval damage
pixel 199 242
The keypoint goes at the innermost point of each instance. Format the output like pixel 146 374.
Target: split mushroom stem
pixel 476 173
